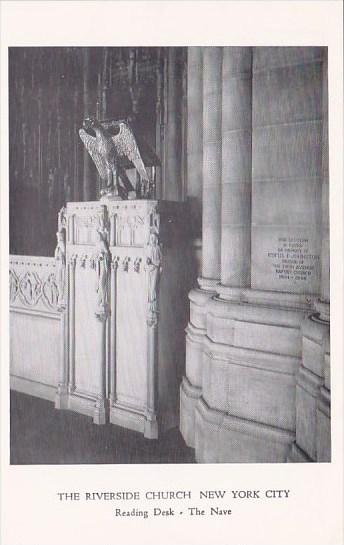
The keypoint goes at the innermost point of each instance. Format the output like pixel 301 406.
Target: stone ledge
pixel 32 261
pixel 200 297
pixel 274 299
pixel 267 361
pixel 36 312
pixel 255 312
pixel 208 284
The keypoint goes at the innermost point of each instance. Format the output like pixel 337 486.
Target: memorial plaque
pixel 288 262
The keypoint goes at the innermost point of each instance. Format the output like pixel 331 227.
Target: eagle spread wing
pixel 126 146
pixel 90 145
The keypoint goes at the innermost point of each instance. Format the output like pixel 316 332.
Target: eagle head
pixel 90 123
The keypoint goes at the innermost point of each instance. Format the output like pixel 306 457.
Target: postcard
pixel 171 273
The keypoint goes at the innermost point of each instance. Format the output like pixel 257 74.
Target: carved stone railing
pixel 35 325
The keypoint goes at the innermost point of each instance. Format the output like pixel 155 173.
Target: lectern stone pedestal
pixel 126 263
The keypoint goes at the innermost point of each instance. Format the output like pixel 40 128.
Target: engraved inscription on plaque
pixel 293 260
pixel 286 261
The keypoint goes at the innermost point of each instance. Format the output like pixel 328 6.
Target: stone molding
pixel 208 284
pixel 277 299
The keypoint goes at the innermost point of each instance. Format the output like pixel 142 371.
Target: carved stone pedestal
pixel 124 323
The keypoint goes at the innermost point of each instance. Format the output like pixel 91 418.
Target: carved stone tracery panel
pixel 33 283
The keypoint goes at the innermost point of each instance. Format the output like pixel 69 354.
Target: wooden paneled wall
pixel 51 90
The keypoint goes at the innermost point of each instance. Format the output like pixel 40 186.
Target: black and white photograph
pixel 173 275
pixel 155 191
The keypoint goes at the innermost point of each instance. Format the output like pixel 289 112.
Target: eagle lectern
pixel 121 269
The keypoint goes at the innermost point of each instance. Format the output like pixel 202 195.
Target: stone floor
pixel 40 434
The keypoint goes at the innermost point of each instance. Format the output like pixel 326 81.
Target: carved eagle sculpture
pixel 107 151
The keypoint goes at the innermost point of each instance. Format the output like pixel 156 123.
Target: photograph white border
pixel 31 513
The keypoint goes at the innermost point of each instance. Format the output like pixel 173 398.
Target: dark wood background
pixel 51 90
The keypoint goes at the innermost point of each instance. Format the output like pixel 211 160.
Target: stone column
pixel 236 169
pixel 323 446
pixel 151 424
pixel 113 295
pixel 61 400
pixel 191 390
pixel 173 181
pixel 323 306
pixel 212 143
pixel 195 137
pixel 71 305
pixel 204 176
pixel 99 415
